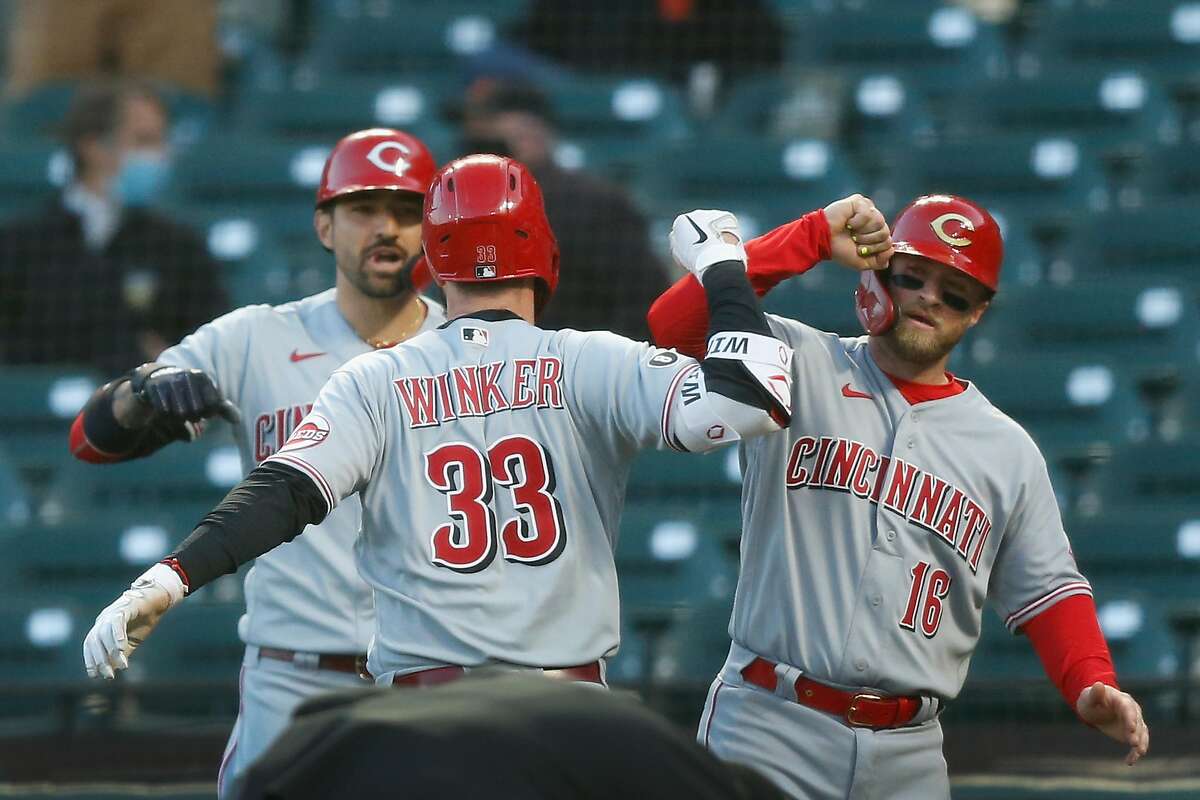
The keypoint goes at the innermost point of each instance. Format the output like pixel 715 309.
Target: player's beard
pixel 375 285
pixel 922 347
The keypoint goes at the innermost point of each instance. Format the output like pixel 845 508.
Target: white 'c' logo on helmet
pixel 939 229
pixel 397 167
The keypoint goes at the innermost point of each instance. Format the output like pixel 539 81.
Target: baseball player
pixel 898 502
pixel 309 616
pixel 490 455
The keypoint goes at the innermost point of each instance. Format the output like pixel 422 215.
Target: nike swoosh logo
pixel 298 356
pixel 703 236
pixel 848 392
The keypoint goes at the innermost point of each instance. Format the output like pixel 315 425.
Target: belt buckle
pixel 853 709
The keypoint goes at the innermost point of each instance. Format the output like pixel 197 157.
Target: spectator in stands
pixel 96 277
pixel 173 41
pixel 609 274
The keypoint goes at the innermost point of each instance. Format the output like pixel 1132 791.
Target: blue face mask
pixel 142 177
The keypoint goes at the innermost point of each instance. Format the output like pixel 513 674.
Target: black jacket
pixel 62 303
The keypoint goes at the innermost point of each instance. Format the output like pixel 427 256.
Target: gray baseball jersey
pixel 271 362
pixel 875 530
pixel 491 457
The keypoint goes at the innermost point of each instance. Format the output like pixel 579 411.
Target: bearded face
pixel 935 306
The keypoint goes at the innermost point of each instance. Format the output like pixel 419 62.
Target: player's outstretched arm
pixel 272 505
pixel 743 386
pixel 145 410
pixel 679 317
pixel 1117 715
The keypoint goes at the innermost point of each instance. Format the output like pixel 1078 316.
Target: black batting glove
pixel 180 394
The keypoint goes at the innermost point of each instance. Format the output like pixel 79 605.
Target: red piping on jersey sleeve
pixel 1068 640
pixel 679 317
pixel 84 450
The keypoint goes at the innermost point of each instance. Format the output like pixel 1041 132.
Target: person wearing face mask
pixel 98 277
pixel 610 275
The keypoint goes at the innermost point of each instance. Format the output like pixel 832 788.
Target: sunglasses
pixel 952 299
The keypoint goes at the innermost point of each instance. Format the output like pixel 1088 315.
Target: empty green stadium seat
pixel 777 181
pixel 692 651
pixel 196 641
pixel 40 636
pixel 1050 178
pixel 391 37
pixel 41 402
pixel 935 44
pixel 92 559
pixel 670 556
pixel 261 172
pixel 823 297
pixel 1114 109
pixel 1150 540
pixel 15 506
pixel 1163 35
pixel 1143 322
pixel 1153 472
pixel 1132 242
pixel 329 111
pixel 1065 405
pixel 195 474
pixel 664 474
pixel 29 170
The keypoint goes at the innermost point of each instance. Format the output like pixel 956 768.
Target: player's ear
pixel 323 225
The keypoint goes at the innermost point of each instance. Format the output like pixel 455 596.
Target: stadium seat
pixel 692 651
pixel 394 37
pixel 40 404
pixel 329 111
pixel 29 169
pixel 773 182
pixel 255 266
pixel 1163 35
pixel 934 44
pixel 15 506
pixel 196 474
pixel 1067 406
pixel 671 556
pixel 1153 473
pixel 90 560
pixel 1050 178
pixel 666 474
pixel 823 297
pixel 40 655
pixel 1150 541
pixel 1114 110
pixel 1143 322
pixel 1133 242
pixel 258 172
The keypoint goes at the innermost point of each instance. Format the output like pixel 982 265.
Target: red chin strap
pixel 873 304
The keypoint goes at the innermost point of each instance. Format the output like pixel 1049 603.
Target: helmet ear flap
pixel 873 303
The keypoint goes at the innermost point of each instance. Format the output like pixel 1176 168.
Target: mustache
pixel 389 244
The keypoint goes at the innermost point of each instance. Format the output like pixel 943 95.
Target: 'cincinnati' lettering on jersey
pixel 274 428
pixel 480 390
pixel 918 496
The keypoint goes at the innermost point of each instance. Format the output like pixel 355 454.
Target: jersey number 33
pixel 468 479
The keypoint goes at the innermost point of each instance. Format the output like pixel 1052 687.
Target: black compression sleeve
pixel 102 430
pixel 272 505
pixel 733 306
pixel 732 303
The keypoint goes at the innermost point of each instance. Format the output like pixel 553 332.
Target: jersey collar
pixel 486 315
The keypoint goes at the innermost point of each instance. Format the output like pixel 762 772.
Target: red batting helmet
pixel 944 228
pixel 484 221
pixel 377 158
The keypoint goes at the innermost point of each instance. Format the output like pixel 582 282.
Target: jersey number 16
pixel 467 478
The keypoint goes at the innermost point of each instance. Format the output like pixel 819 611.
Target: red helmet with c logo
pixel 944 228
pixel 376 158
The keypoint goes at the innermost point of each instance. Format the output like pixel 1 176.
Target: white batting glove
pixel 125 624
pixel 705 237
